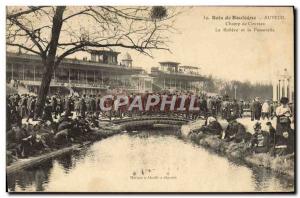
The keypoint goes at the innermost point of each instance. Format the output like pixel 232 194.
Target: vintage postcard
pixel 147 99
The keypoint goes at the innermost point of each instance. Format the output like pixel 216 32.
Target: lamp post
pixel 235 86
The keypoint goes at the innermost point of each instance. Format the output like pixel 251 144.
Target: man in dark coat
pixel 88 103
pixel 9 110
pixel 23 106
pixel 256 109
pixel 47 114
pixel 203 106
pixel 68 107
pixel 54 106
pixel 236 132
pixel 212 127
pixel 235 109
pixel 93 104
pixel 31 108
pixel 241 108
pixel 252 110
pixel 82 108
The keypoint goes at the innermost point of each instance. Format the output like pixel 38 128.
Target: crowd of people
pixel 30 136
pixel 277 140
pixel 23 106
pixel 67 118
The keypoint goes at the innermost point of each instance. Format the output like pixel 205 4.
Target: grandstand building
pixel 100 73
pixel 171 76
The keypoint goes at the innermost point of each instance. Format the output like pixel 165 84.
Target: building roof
pixel 169 62
pixel 67 62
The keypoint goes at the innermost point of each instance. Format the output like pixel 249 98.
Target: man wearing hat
pixel 236 131
pixel 241 108
pixel 225 107
pixel 256 109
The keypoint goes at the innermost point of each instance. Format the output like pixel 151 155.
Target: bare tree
pixel 54 33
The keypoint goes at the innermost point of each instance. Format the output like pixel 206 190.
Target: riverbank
pixel 145 153
pixel 95 135
pixel 105 129
pixel 240 151
pixel 236 151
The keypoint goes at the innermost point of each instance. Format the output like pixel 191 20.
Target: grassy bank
pixel 241 152
pixel 94 135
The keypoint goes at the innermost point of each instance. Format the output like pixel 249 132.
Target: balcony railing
pixel 65 84
pixel 178 73
pixel 71 61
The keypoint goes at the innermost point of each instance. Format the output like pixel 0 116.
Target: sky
pixel 252 56
pixel 244 56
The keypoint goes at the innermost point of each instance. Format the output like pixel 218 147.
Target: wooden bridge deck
pixel 139 121
pixel 151 118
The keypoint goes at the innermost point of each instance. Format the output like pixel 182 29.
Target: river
pixel 147 161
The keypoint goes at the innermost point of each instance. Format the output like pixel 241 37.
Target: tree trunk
pixel 43 90
pixel 49 62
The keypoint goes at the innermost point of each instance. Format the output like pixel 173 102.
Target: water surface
pixel 145 162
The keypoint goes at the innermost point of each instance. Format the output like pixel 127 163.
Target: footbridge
pixel 148 121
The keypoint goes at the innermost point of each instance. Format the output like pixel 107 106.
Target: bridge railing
pixel 149 118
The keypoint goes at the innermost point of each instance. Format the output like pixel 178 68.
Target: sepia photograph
pixel 150 99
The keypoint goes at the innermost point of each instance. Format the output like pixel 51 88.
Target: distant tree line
pixel 244 90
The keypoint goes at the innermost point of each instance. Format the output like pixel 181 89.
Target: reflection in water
pixel 261 177
pixel 33 179
pixel 144 162
pixel 65 161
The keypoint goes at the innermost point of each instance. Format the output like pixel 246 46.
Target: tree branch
pixel 31 35
pixel 31 10
pixel 23 47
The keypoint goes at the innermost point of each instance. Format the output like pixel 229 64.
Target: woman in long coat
pixel 283 127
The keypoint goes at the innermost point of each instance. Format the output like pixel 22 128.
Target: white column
pixel 279 90
pixel 282 88
pixel 286 87
pixel 290 89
